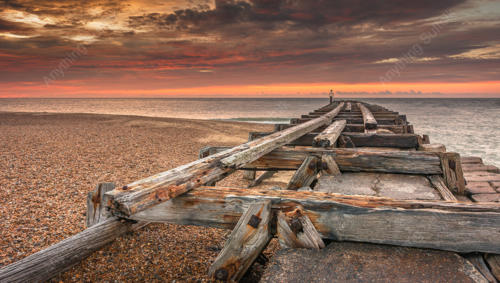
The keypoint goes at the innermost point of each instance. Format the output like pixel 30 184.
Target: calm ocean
pixel 467 126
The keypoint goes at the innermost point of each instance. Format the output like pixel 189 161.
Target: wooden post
pixel 249 174
pixel 249 238
pixel 96 207
pixel 438 183
pixel 348 107
pixel 328 138
pixel 368 118
pixel 305 175
pixel 159 188
pixel 295 230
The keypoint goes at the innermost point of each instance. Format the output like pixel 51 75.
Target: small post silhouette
pixel 331 96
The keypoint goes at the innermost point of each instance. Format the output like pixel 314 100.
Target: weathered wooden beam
pixel 159 188
pixel 452 171
pixel 478 261
pixel 397 129
pixel 355 160
pixel 49 262
pixel 455 226
pixel 328 138
pixel 295 230
pixel 305 174
pixel 433 147
pixel 265 175
pixel 438 183
pixel 248 239
pixel 358 120
pixel 368 118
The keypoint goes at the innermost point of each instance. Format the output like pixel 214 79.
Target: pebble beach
pixel 49 162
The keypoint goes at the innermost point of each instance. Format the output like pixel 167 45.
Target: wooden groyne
pixel 360 174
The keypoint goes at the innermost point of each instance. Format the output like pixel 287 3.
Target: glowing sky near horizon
pixel 260 48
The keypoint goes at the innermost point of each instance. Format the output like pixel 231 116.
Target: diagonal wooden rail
pixel 159 188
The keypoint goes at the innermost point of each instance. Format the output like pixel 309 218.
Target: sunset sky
pixel 258 48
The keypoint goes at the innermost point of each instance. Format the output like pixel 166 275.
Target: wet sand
pixel 49 162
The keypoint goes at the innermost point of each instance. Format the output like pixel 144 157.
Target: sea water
pixel 466 126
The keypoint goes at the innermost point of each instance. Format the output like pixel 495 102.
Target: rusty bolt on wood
pixel 324 166
pixel 312 165
pixel 221 274
pixel 125 188
pixel 296 226
pixel 254 221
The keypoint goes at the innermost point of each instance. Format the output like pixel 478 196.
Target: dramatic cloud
pixel 180 44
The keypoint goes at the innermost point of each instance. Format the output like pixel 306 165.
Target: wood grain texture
pixel 493 261
pixel 249 238
pixel 295 230
pixel 329 166
pixel 96 206
pixel 438 183
pixel 159 188
pixel 432 147
pixel 328 137
pixel 454 226
pixel 265 175
pixel 354 160
pixel 305 174
pixel 47 263
pixel 368 119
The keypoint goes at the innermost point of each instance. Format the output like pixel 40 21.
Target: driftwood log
pixel 454 226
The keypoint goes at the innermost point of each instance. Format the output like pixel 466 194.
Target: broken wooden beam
pixel 368 118
pixel 96 208
pixel 161 187
pixel 295 230
pixel 354 160
pixel 328 137
pixel 249 238
pixel 454 226
pixel 305 174
pixel 329 166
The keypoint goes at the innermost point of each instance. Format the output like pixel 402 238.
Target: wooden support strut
pixel 305 175
pixel 454 226
pixel 249 238
pixel 159 188
pixel 295 230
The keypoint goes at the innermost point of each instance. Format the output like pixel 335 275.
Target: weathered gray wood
pixel 295 230
pixel 358 128
pixel 328 138
pixel 248 239
pixel 265 175
pixel 471 160
pixel 454 226
pixel 438 183
pixel 355 160
pixel 493 261
pixel 96 208
pixel 368 118
pixel 329 166
pixel 305 175
pixel 452 171
pixel 380 121
pixel 47 263
pixel 345 142
pixel 159 188
pixel 249 174
pixel 479 263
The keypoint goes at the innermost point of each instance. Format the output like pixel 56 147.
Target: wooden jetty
pixel 359 173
